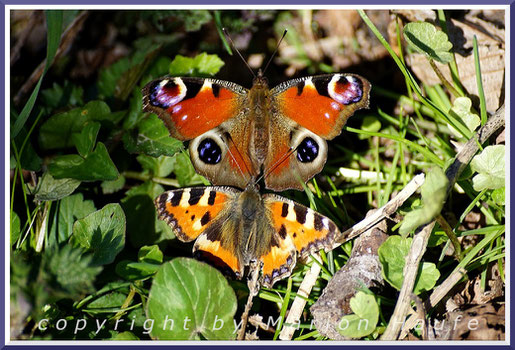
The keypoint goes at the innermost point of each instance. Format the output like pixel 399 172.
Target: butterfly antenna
pixel 275 51
pixel 238 51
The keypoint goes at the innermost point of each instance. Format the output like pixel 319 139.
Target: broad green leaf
pixel 424 38
pixel 51 189
pixel 57 131
pixel 54 21
pixel 364 320
pixel 151 138
pixel 143 226
pixel 185 173
pixel 433 193
pixel 392 255
pixel 202 64
pixel 461 111
pixel 135 271
pixel 15 227
pixel 370 123
pixel 71 208
pixel 150 254
pixel 95 166
pixel 85 140
pixel 110 300
pixel 490 167
pixel 208 64
pixel 113 186
pixel 102 232
pixel 161 166
pixel 498 196
pixel 196 297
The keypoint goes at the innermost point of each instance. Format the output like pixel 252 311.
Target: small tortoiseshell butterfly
pixel 237 133
pixel 233 228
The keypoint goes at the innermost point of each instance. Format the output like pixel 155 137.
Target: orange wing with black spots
pixel 190 211
pixel 308 230
pixel 323 103
pixel 190 107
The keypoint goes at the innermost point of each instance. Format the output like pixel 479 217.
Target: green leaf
pixel 102 232
pixel 135 271
pixel 498 196
pixel 61 96
pixel 364 320
pixel 15 227
pixel 151 138
pixel 110 300
pixel 161 166
pixel 202 65
pixel 54 21
pixel 433 192
pixel 57 131
pixel 461 111
pixel 392 255
pixel 189 293
pixel 29 159
pixel 113 186
pixel 72 208
pixel 143 226
pixel 424 38
pixel 490 167
pixel 51 189
pixel 95 166
pixel 70 270
pixel 85 140
pixel 125 336
pixel 185 171
pixel 150 254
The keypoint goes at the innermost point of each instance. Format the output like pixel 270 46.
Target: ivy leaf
pixel 433 193
pixel 95 166
pixel 150 254
pixel 56 132
pixel 151 138
pixel 490 167
pixel 461 111
pixel 51 189
pixel 392 255
pixel 71 208
pixel 424 38
pixel 364 320
pixel 102 233
pixel 113 186
pixel 202 65
pixel 85 140
pixel 196 308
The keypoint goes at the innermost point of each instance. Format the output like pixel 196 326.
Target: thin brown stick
pixel 253 285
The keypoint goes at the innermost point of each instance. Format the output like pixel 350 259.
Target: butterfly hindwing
pixel 190 211
pixel 308 230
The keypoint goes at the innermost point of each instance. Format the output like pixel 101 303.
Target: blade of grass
pixel 482 101
pixel 54 20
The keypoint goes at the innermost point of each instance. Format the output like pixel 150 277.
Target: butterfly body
pixel 237 133
pixel 233 228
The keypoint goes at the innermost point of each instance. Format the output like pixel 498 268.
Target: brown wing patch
pixel 191 211
pixel 308 230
